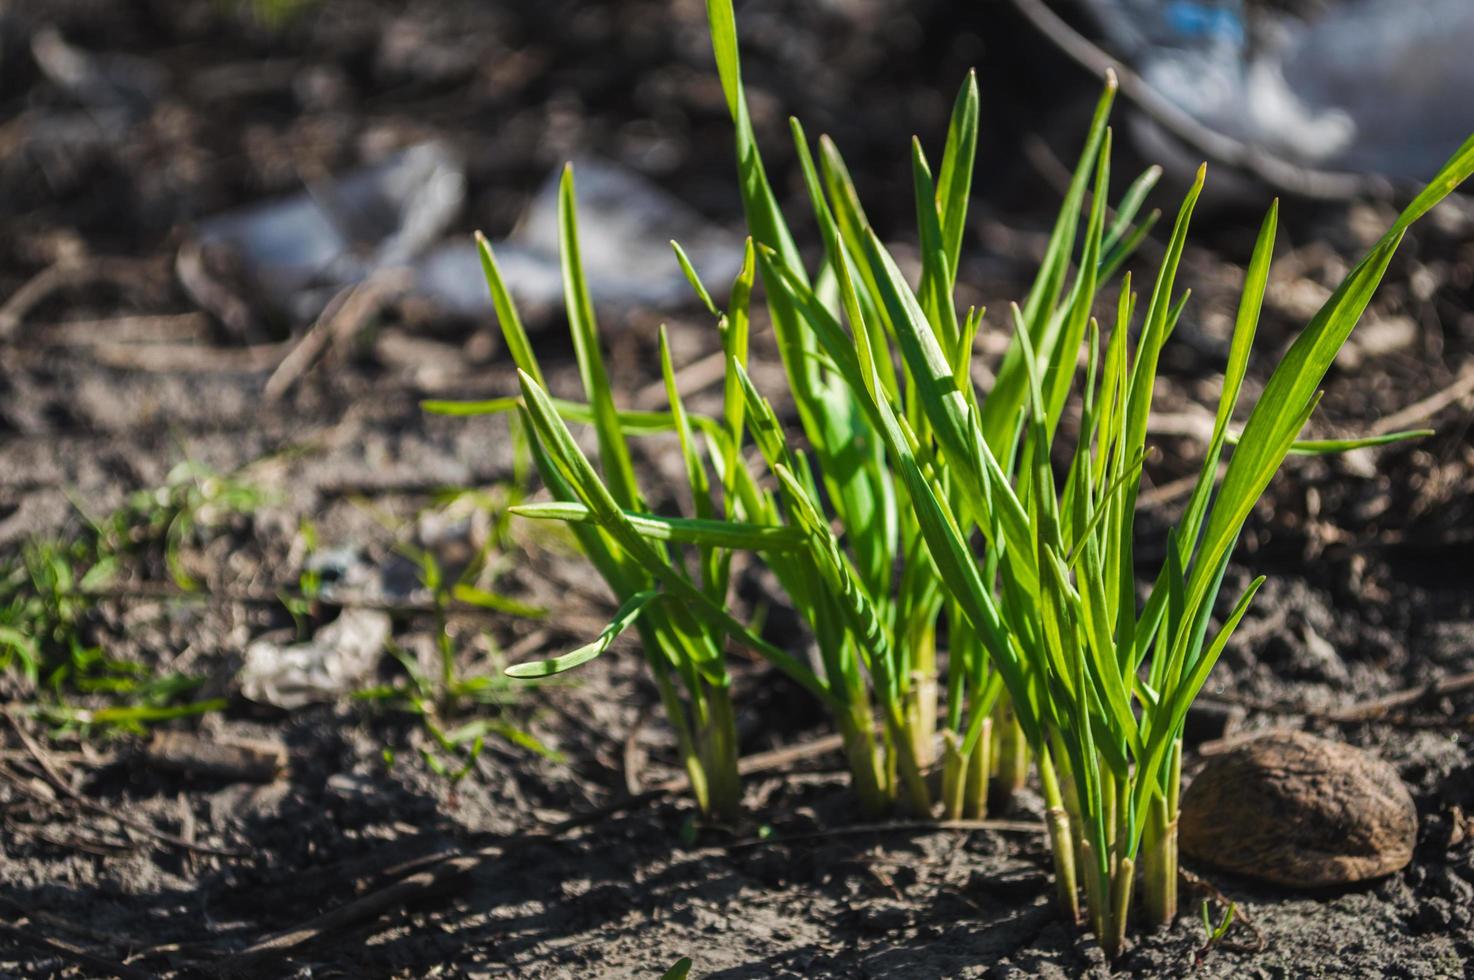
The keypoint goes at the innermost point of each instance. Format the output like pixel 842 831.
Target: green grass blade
pixel 695 280
pixel 1327 447
pixel 623 619
pixel 1256 278
pixel 1126 211
pixel 1140 386
pixel 936 274
pixel 679 530
pixel 467 409
pixel 25 648
pixel 631 423
pixel 614 453
pixel 1061 355
pixel 954 180
pixel 513 332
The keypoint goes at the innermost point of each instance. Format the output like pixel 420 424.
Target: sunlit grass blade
pixel 695 280
pixel 954 180
pixel 681 530
pixel 1329 447
pixel 631 423
pixel 614 453
pixel 622 620
pixel 937 274
pixel 513 331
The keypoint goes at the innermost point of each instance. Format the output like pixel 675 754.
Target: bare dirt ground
pixel 579 860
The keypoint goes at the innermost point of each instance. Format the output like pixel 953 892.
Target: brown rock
pixel 1297 810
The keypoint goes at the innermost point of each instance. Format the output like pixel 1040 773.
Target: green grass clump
pixel 49 592
pixel 679 611
pixel 914 505
pixel 1100 683
pixel 450 702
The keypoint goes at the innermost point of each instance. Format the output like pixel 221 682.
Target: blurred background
pixel 268 152
pixel 136 128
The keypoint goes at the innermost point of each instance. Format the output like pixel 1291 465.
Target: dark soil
pixel 531 866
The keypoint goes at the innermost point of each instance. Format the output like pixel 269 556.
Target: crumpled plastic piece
pixel 1375 87
pixel 332 665
pixel 625 227
pixel 297 251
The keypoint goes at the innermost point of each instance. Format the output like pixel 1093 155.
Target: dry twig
pixel 56 781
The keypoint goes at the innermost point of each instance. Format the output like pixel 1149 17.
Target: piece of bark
pixel 1298 810
pixel 231 760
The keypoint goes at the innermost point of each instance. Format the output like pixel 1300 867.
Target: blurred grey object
pixel 625 226
pixel 298 251
pixel 104 96
pixel 98 80
pixel 337 661
pixel 1377 87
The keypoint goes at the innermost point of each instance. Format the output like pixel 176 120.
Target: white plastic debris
pixel 333 664
pixel 1374 87
pixel 625 227
pixel 298 251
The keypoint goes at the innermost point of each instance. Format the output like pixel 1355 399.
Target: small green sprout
pixel 50 590
pixel 680 971
pixel 441 699
pixel 1213 934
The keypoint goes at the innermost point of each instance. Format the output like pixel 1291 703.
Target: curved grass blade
pixel 506 311
pixel 954 180
pixel 694 279
pixel 623 618
pixel 679 530
pixel 1327 447
pixel 614 454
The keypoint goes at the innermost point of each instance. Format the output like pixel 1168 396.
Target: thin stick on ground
pixel 61 786
pixel 24 931
pixel 1424 409
pixel 345 316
